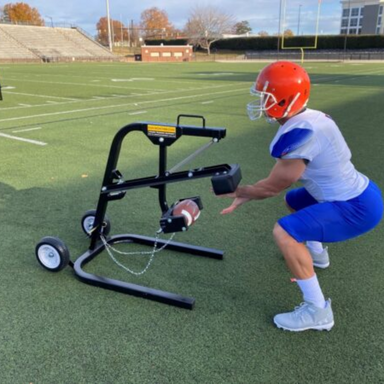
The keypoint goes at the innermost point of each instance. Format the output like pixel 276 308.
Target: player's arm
pixel 283 175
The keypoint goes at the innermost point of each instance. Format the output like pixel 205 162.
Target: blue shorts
pixel 332 221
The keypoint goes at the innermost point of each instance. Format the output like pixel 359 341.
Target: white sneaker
pixel 306 316
pixel 320 260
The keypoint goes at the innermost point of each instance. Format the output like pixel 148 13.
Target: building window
pixel 352 31
pixel 361 11
pixel 178 54
pixel 343 32
pixel 355 12
pixel 155 54
pixel 344 23
pixel 381 10
pixel 166 54
pixel 379 21
pixel 377 30
pixel 360 21
pixel 359 31
pixel 353 23
pixel 346 12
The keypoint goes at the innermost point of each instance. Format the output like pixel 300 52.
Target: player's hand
pixel 235 204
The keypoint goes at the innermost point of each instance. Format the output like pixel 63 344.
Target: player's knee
pixel 280 235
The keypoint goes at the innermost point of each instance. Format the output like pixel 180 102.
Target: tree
pixel 22 13
pixel 207 25
pixel 155 24
pixel 263 33
pixel 119 33
pixel 288 33
pixel 242 28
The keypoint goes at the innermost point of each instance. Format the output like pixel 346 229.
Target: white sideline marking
pixel 207 102
pixel 137 113
pixel 22 139
pixel 27 130
pixel 123 105
pixel 25 105
pixel 8 87
pixel 51 102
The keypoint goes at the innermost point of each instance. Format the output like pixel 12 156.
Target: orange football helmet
pixel 282 89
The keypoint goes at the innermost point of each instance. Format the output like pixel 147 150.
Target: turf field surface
pixel 56 126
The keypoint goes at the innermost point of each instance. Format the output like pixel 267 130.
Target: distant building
pixel 166 52
pixel 362 17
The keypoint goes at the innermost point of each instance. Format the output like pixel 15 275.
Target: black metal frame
pixel 114 187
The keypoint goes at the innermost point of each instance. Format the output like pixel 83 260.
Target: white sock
pixel 315 246
pixel 312 292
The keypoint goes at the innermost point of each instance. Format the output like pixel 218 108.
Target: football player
pixel 336 201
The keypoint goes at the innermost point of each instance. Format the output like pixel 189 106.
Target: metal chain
pixel 111 249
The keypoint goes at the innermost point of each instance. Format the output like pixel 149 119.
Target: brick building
pixel 167 53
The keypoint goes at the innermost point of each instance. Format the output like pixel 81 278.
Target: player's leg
pixel 295 200
pixel 328 222
pixel 315 312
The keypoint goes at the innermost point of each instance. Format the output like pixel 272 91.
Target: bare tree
pixel 207 25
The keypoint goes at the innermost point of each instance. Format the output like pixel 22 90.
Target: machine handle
pixel 192 116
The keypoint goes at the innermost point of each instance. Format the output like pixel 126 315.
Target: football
pixel 187 208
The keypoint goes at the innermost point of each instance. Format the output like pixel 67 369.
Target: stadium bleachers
pixel 32 43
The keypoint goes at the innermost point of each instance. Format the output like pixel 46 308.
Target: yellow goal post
pixel 301 48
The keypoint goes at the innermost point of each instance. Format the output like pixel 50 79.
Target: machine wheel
pixel 89 218
pixel 52 254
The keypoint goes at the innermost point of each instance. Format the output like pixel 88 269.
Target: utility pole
pixel 109 27
pixel 298 21
pixel 279 30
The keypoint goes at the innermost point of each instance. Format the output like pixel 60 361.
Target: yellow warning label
pixel 161 130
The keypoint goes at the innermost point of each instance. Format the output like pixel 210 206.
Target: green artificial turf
pixel 55 329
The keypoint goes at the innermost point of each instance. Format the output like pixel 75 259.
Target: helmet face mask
pixel 259 107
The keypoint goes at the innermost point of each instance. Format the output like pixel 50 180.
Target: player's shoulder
pixel 295 133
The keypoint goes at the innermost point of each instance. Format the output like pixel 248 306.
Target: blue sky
pixel 261 14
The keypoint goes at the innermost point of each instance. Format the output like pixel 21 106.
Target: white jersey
pixel 314 136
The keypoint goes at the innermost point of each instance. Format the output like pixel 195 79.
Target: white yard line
pixel 73 101
pixel 122 105
pixel 22 139
pixel 77 84
pixel 26 130
pixel 43 96
pixel 137 113
pixel 207 102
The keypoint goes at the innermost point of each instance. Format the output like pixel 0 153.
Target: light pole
pixel 109 27
pixel 49 17
pixel 298 21
pixel 345 36
pixel 279 30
